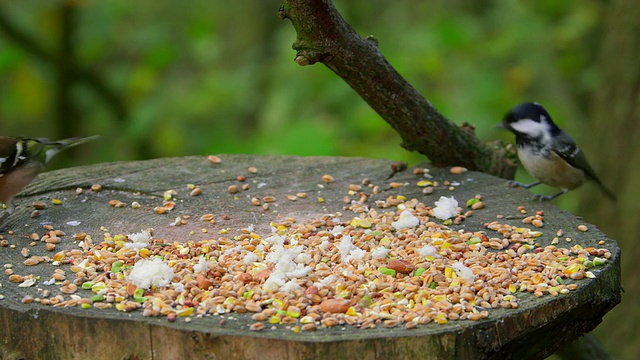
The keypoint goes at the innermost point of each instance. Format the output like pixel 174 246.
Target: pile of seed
pixel 426 273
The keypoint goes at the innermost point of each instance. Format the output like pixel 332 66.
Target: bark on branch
pixel 324 36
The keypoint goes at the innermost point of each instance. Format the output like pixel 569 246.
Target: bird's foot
pixel 515 184
pixel 541 197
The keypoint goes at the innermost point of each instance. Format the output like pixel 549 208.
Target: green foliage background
pixel 213 77
pixel 201 77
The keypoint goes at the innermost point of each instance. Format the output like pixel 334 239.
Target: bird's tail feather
pixel 608 193
pixel 54 147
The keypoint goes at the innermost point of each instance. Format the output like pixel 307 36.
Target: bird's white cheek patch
pixel 529 127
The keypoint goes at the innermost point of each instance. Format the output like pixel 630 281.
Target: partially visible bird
pixel 21 160
pixel 548 153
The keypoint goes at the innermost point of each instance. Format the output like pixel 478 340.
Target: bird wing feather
pixel 566 148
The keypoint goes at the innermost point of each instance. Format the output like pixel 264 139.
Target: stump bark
pixel 537 328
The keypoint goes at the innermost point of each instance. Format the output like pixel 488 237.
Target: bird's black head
pixel 529 120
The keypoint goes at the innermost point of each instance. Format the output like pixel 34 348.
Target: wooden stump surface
pixel 536 329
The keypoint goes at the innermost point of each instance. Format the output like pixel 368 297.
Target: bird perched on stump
pixel 548 153
pixel 21 160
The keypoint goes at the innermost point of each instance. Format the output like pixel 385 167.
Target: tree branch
pixel 324 36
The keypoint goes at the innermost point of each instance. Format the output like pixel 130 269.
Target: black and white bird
pixel 21 160
pixel 548 153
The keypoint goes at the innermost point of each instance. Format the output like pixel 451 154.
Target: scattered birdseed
pixel 395 185
pixel 160 209
pixel 214 159
pixel 392 264
pixel 537 223
pixel 457 170
pixel 169 194
pixel 96 187
pixel 582 227
pixel 416 281
pixel 38 205
pixel 477 205
pixel 207 217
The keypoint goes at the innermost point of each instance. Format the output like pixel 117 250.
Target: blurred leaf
pixel 31 90
pixel 10 57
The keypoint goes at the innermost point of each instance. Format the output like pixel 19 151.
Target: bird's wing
pixel 567 149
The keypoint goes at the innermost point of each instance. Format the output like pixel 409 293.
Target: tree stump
pixel 536 328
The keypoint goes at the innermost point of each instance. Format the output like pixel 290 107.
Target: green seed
pixel 248 294
pixel 387 271
pixel 116 266
pixel 472 201
pixel 474 240
pixel 138 293
pixel 599 261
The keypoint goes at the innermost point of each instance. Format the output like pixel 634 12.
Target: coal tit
pixel 21 160
pixel 548 153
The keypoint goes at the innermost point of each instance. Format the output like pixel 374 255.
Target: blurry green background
pixel 174 78
pixel 200 77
